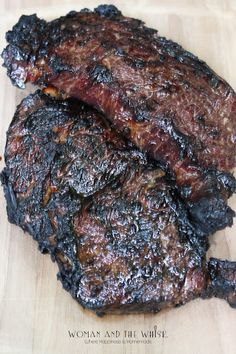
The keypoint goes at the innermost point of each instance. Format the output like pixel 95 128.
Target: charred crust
pixel 120 52
pixel 185 191
pixel 227 180
pixel 70 278
pixel 25 42
pixel 58 66
pixel 214 81
pixel 10 197
pixel 218 183
pixel 29 29
pixel 141 113
pixel 134 62
pixel 26 37
pixel 188 230
pixel 222 280
pixel 109 11
pixel 182 140
pixel 100 74
pixel 73 13
pixel 210 214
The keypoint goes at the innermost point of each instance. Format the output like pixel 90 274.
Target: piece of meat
pixel 163 98
pixel 122 241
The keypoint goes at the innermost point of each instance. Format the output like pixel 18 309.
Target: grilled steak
pixel 122 241
pixel 163 98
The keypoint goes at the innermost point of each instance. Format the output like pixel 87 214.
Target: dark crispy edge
pixel 221 281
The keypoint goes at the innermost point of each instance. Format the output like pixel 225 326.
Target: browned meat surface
pixel 163 98
pixel 122 241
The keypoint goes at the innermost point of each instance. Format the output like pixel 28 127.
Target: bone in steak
pixel 163 98
pixel 122 241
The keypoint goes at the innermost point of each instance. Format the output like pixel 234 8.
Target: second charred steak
pixel 166 100
pixel 123 243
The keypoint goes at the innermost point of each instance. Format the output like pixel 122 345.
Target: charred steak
pixel 163 98
pixel 122 241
